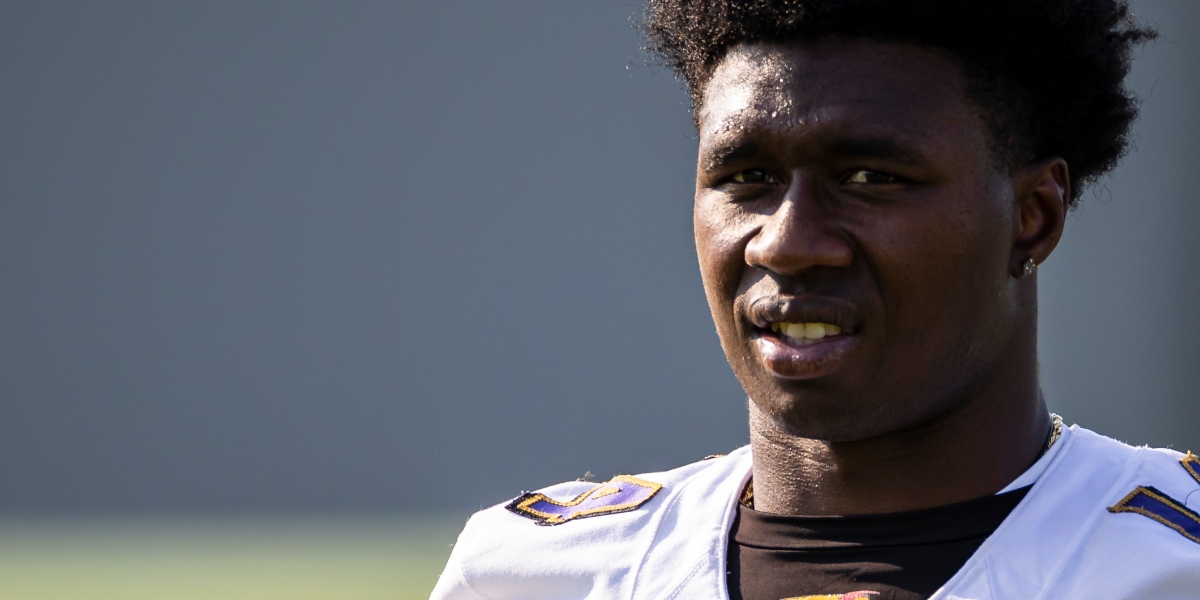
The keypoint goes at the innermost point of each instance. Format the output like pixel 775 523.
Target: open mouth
pixel 804 334
pixel 804 350
pixel 803 338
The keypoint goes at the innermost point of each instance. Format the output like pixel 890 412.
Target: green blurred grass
pixel 356 558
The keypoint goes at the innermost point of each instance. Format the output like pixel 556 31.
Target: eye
pixel 870 177
pixel 751 176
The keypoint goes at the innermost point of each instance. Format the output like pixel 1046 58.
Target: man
pixel 877 182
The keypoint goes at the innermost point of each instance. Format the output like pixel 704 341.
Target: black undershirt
pixel 898 556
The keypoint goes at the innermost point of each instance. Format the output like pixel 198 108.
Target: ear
pixel 1042 190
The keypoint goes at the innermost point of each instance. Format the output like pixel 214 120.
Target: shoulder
pixel 1071 537
pixel 1163 487
pixel 1167 470
pixel 1145 535
pixel 576 538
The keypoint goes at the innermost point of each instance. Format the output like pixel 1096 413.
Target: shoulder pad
pixel 1153 503
pixel 509 551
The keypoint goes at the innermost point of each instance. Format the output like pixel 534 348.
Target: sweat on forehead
pixel 862 85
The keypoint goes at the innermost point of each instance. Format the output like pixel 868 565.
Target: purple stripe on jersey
pixel 1150 502
pixel 622 493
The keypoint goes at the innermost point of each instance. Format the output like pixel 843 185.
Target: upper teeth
pixel 806 331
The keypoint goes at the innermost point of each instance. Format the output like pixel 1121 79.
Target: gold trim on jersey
pixel 523 505
pixel 863 595
pixel 1186 529
pixel 1191 463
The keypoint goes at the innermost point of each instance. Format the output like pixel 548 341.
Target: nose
pixel 799 235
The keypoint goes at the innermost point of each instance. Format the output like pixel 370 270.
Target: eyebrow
pixel 842 146
pixel 728 152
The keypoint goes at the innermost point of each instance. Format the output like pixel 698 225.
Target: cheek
pixel 942 270
pixel 721 235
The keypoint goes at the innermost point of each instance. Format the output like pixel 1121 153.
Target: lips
pixel 803 337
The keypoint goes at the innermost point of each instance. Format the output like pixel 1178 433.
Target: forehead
pixel 864 86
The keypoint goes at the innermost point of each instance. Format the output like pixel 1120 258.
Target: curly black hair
pixel 1046 75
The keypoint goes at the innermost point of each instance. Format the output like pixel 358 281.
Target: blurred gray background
pixel 381 256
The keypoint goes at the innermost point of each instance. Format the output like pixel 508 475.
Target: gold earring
pixel 1028 267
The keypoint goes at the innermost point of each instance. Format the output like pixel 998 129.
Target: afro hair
pixel 1047 76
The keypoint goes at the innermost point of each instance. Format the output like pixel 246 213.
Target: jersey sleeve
pixel 451 584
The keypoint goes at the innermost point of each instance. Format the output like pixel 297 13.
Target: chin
pixel 829 415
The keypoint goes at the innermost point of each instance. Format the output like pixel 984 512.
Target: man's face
pixel 855 234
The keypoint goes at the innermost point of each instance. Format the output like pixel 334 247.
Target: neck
pixel 971 451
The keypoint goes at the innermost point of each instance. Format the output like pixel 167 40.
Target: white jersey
pixel 1103 520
